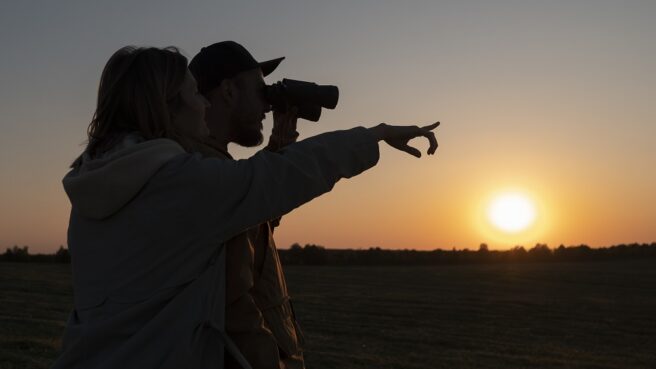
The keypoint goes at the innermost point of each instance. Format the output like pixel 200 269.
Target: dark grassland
pixel 546 315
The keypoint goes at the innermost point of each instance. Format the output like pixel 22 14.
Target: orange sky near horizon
pixel 553 100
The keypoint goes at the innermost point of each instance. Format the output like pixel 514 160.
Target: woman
pixel 149 216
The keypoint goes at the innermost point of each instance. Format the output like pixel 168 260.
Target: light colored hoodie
pixel 146 234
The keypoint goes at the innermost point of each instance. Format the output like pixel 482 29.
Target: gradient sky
pixel 553 98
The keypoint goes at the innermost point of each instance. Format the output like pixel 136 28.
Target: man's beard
pixel 246 134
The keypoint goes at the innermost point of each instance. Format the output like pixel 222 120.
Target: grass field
pixel 557 315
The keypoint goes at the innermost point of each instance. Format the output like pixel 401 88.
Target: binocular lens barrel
pixel 307 96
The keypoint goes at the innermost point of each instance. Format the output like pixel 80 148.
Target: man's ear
pixel 228 91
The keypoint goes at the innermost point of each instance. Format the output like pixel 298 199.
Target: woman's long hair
pixel 139 91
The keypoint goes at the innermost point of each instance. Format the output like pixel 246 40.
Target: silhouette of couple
pixel 171 240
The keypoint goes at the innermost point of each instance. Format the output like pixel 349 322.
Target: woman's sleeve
pixel 244 193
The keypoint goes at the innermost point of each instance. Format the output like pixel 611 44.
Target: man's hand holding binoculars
pixel 284 129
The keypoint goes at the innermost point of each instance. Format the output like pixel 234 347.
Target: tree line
pixel 318 255
pixel 22 255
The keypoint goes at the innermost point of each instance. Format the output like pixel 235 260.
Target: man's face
pixel 249 109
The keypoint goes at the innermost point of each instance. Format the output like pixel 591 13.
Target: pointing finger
pixel 431 127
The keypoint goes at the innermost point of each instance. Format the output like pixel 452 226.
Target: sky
pixel 552 99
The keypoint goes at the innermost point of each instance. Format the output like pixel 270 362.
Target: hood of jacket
pixel 101 186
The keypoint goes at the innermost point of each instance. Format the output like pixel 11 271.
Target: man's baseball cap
pixel 223 60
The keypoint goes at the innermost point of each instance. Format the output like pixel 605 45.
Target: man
pixel 259 314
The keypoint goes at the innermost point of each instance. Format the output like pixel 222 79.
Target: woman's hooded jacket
pixel 146 233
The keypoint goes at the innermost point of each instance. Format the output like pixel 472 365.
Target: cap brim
pixel 269 66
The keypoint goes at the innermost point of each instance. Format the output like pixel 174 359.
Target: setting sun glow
pixel 511 212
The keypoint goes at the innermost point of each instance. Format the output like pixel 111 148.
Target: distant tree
pixel 62 255
pixel 314 255
pixel 292 256
pixel 483 248
pixel 540 252
pixel 560 253
pixel 20 254
pixel 517 253
pixel 519 249
pixel 580 252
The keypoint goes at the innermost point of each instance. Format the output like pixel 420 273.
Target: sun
pixel 511 212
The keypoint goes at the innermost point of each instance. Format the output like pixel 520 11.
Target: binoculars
pixel 308 97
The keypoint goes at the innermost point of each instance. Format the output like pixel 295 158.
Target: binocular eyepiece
pixel 308 97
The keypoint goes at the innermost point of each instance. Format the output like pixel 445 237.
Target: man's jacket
pixel 259 317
